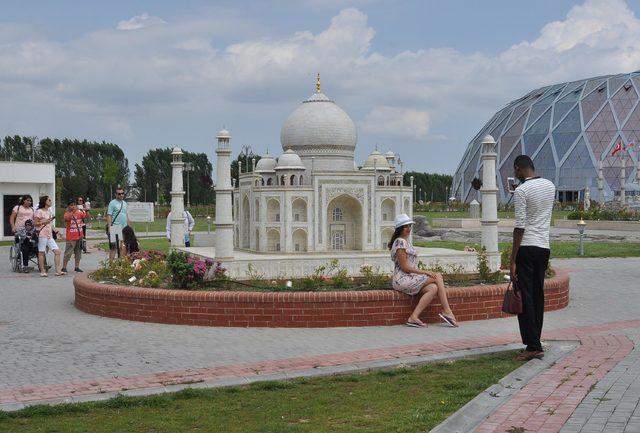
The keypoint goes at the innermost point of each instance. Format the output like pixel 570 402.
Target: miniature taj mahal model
pixel 313 197
pixel 312 203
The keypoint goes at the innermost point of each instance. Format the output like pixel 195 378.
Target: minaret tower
pixel 224 210
pixel 177 199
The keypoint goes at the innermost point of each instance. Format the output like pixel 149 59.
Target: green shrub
pixel 375 279
pixel 599 214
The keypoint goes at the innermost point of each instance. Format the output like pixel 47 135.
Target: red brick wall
pixel 297 310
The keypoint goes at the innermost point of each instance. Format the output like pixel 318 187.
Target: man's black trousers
pixel 531 264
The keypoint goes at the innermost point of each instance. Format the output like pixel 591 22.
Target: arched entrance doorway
pixel 246 212
pixel 344 224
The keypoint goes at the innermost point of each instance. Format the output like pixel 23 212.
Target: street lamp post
pixel 158 199
pixel 188 167
pixel 581 226
pixel 31 147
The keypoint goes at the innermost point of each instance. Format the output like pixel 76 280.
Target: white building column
pixel 489 196
pixel 177 199
pixel 224 191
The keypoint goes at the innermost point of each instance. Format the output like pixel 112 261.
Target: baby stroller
pixel 24 244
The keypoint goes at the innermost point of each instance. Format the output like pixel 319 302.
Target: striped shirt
pixel 533 200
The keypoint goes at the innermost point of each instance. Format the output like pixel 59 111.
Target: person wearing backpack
pixel 74 221
pixel 116 216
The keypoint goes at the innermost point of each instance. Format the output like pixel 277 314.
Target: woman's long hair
pixel 42 204
pixel 24 198
pixel 396 235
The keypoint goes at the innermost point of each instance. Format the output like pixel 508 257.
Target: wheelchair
pixel 16 253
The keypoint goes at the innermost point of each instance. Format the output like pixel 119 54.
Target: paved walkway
pixel 51 350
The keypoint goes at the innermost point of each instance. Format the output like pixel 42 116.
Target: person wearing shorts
pixel 44 221
pixel 116 215
pixel 74 221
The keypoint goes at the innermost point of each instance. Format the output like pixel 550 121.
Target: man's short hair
pixel 523 161
pixel 71 201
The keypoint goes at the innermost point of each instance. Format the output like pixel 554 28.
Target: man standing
pixel 116 216
pixel 533 200
pixel 189 224
pixel 74 220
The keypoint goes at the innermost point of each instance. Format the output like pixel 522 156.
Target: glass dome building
pixel 568 129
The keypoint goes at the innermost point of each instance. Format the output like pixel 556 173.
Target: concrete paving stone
pixel 49 342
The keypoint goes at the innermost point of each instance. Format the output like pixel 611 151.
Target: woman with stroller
pixel 20 214
pixel 45 236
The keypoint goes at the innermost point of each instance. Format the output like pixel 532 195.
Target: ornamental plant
pixel 188 272
pixel 144 269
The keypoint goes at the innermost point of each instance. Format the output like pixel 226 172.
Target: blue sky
pixel 417 77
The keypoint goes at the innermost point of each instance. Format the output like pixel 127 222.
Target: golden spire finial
pixel 318 83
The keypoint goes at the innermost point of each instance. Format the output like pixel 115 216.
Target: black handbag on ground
pixel 512 303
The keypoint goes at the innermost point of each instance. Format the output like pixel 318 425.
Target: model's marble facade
pixel 313 197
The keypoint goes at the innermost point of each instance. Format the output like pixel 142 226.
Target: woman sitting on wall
pixel 407 278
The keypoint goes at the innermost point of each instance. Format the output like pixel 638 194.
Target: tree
pixel 156 168
pixel 434 186
pixel 242 159
pixel 110 173
pixel 79 164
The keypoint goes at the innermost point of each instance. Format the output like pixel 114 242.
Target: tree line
pixel 431 187
pixel 93 169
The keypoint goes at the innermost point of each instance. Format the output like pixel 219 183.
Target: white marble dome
pixel 266 164
pixel 377 161
pixel 290 161
pixel 318 125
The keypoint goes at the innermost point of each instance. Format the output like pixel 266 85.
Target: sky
pixel 419 77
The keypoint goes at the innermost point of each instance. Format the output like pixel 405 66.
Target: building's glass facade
pixel 566 128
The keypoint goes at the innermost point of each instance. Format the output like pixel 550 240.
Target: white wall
pixel 18 178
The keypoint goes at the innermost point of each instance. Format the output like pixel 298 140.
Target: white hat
pixel 402 220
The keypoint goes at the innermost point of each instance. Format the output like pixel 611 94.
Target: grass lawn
pixel 560 250
pixel 399 400
pixel 159 244
pixel 557 214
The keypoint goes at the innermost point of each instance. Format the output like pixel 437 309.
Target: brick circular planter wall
pixel 294 310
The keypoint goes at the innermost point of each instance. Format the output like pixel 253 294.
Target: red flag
pixel 618 147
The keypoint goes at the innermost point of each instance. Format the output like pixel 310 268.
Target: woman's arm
pixel 12 220
pixel 401 255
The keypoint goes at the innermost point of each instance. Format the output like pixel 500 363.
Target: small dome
pixel 223 134
pixel 266 164
pixel 290 161
pixel 390 154
pixel 376 161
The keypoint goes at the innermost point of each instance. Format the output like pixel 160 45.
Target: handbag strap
pixel 77 226
pixel 113 220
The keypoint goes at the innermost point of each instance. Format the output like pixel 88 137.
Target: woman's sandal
pixel 415 324
pixel 449 320
pixel 60 274
pixel 42 274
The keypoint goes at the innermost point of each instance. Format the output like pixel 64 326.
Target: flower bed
pixel 301 309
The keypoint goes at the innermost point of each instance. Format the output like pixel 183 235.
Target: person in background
pixel 129 240
pixel 29 245
pixel 116 215
pixel 83 206
pixel 407 278
pixel 43 220
pixel 74 219
pixel 189 224
pixel 533 200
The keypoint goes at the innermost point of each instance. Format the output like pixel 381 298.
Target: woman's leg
pixel 56 260
pixel 428 292
pixel 442 296
pixel 43 271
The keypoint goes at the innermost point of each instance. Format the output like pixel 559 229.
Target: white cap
pixel 402 220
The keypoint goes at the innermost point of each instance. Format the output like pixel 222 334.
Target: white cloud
pixel 397 122
pixel 140 22
pixel 178 81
